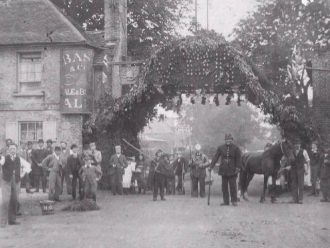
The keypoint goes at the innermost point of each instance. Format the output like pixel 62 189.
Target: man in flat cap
pixel 198 167
pixel 230 165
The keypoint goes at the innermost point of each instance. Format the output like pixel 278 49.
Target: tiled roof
pixel 37 21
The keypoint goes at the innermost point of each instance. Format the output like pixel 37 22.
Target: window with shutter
pixel 12 131
pixel 49 130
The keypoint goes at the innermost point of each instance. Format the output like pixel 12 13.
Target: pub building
pixel 51 72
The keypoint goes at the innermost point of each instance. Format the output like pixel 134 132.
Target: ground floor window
pixel 30 131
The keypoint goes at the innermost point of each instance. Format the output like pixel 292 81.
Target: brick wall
pixel 66 127
pixel 321 94
pixel 15 107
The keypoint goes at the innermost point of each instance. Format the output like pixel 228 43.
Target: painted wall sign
pixel 77 85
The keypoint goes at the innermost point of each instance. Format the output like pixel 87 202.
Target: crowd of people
pixel 312 164
pixel 61 166
pixel 46 165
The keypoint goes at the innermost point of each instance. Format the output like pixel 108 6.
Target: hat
pixel 198 154
pixel 158 151
pixel 228 136
pixel 88 157
pixel 57 148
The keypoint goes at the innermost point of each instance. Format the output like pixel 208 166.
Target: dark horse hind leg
pixel 263 196
pixel 273 189
pixel 248 180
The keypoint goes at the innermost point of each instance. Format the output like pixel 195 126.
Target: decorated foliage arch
pixel 201 64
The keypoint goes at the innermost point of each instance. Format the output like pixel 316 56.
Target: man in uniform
pixel 38 155
pixel 180 165
pixel 198 174
pixel 230 165
pixel 65 172
pixel 118 163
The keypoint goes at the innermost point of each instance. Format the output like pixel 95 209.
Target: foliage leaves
pixel 150 22
pixel 280 37
pixel 163 77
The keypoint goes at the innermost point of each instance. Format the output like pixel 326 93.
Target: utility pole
pixel 196 22
pixel 207 14
pixel 115 29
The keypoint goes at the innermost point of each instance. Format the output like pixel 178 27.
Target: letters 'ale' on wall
pixel 76 81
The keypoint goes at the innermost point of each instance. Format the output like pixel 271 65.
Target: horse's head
pixel 287 149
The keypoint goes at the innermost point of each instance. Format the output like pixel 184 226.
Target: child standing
pixel 127 177
pixel 90 174
pixel 140 174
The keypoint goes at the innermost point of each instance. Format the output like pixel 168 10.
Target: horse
pixel 265 163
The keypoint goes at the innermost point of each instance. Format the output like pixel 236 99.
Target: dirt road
pixel 181 221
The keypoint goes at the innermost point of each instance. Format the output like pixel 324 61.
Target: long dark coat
pixel 231 159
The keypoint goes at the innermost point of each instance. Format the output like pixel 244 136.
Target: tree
pixel 280 37
pixel 150 22
pixel 210 124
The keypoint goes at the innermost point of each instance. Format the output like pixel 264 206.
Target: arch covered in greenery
pixel 203 64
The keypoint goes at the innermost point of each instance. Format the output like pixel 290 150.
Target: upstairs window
pixel 29 71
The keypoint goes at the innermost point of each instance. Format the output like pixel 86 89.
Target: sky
pixel 224 14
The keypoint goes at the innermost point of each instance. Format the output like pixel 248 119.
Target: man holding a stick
pixel 230 165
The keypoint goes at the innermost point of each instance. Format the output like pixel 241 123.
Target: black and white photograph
pixel 164 123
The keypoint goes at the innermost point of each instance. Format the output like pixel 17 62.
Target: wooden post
pixel 115 27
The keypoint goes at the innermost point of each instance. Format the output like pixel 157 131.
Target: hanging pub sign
pixel 76 81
